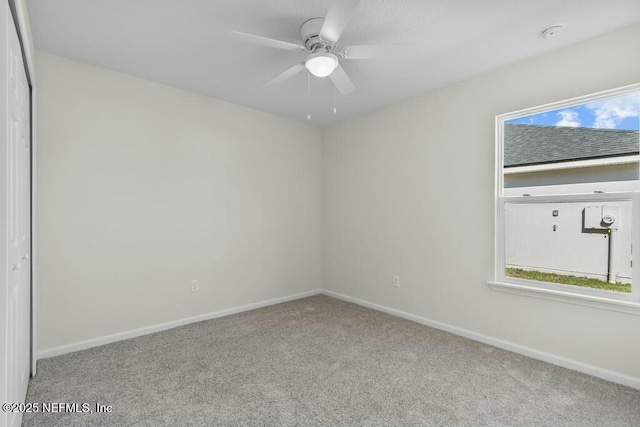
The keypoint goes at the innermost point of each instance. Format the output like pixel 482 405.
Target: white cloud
pixel 609 113
pixel 568 118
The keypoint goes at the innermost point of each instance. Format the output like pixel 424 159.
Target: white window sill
pixel 567 297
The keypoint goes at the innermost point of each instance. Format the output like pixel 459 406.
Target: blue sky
pixel 622 112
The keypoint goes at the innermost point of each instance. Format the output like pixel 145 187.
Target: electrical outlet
pixel 195 286
pixel 396 281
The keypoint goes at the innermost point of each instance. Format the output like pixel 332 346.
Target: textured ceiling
pixel 185 43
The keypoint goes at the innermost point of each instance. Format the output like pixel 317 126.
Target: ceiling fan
pixel 319 38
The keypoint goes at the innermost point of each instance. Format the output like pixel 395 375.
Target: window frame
pixel 629 191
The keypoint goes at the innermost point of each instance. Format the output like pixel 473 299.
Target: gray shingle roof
pixel 532 145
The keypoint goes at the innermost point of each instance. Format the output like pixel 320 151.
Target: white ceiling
pixel 185 43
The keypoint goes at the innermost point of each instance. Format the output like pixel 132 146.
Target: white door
pixel 16 170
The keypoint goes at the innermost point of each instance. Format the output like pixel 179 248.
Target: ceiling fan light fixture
pixel 321 64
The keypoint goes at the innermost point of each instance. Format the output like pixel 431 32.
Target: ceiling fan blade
pixel 378 51
pixel 342 81
pixel 338 16
pixel 288 73
pixel 265 41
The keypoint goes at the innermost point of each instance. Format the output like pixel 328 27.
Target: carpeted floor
pixel 320 361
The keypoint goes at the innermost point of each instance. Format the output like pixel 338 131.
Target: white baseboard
pixel 496 342
pixel 95 342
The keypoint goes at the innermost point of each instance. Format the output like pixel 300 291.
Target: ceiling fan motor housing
pixel 309 31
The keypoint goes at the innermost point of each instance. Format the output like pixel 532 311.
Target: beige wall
pixel 409 190
pixel 142 187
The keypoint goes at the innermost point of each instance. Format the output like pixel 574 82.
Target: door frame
pixel 20 16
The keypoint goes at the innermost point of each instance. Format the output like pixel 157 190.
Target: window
pixel 568 198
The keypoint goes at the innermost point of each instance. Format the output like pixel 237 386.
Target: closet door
pixel 16 169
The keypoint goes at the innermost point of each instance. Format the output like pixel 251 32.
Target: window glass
pixel 568 183
pixel 543 148
pixel 583 243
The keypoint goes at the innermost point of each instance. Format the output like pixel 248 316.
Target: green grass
pixel 567 280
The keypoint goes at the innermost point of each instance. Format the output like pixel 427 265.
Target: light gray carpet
pixel 320 361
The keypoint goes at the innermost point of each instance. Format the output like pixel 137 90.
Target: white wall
pixel 409 190
pixel 143 187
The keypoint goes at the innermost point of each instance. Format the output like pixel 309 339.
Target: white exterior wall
pixel 532 243
pixel 625 172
